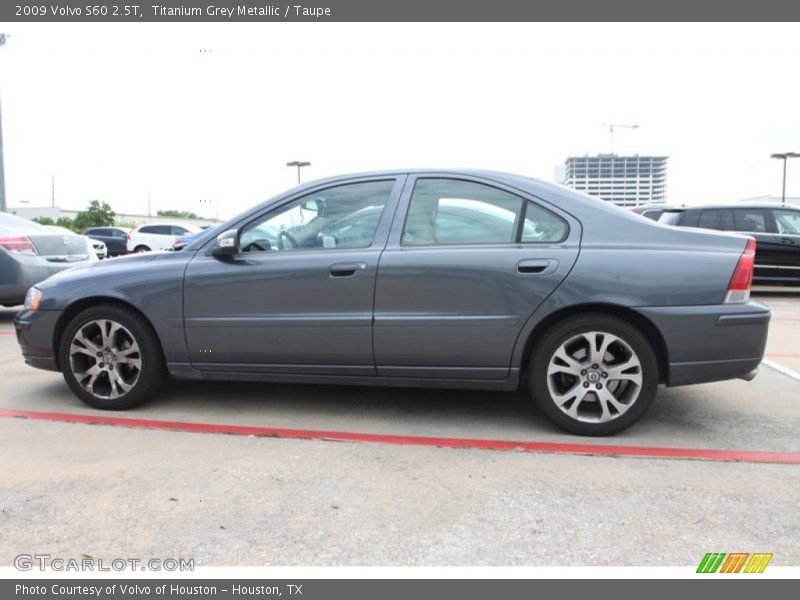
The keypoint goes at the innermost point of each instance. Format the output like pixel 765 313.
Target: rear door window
pixel 726 222
pixel 710 219
pixel 452 212
pixel 750 219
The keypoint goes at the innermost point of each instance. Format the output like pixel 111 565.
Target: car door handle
pixel 788 241
pixel 536 266
pixel 347 269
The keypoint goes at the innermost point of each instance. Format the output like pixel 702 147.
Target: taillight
pixel 739 287
pixel 20 244
pixel 128 237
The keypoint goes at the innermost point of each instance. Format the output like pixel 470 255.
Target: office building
pixel 623 180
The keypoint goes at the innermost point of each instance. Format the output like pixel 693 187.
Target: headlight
pixel 33 298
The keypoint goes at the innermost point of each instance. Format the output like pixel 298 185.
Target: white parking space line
pixel 781 369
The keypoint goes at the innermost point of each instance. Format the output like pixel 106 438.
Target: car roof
pixel 742 205
pixel 169 223
pixel 530 185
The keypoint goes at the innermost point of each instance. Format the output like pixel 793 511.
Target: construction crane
pixel 611 128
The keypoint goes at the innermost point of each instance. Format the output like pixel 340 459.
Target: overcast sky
pixel 113 110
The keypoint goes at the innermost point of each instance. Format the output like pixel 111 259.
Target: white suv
pixel 158 236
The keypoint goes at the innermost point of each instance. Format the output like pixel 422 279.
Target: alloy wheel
pixel 105 358
pixel 594 377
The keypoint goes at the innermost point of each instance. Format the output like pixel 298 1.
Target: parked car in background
pixel 775 228
pixel 98 247
pixel 450 279
pixel 30 253
pixel 115 238
pixel 652 211
pixel 157 236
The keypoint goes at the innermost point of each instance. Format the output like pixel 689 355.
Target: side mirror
pixel 227 243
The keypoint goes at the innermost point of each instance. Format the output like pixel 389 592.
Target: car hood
pixel 113 269
pixel 120 278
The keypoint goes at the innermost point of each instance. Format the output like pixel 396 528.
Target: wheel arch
pixel 80 305
pixel 645 326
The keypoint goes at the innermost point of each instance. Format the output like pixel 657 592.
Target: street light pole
pixel 299 164
pixel 784 156
pixel 3 38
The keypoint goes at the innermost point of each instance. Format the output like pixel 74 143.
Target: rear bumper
pixel 35 334
pixel 711 343
pixel 20 273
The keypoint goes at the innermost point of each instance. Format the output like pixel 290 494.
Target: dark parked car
pixel 115 238
pixel 452 279
pixel 30 252
pixel 775 228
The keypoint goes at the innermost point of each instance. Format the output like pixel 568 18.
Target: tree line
pixel 100 214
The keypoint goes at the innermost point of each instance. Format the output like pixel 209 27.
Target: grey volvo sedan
pixel 450 279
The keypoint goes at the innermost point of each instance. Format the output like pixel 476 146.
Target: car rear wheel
pixel 594 374
pixel 141 249
pixel 110 358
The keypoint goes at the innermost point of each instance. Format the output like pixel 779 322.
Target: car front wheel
pixel 594 374
pixel 110 358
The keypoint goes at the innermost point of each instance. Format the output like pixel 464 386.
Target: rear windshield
pixel 12 224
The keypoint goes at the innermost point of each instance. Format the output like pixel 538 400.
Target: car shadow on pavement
pixel 7 315
pixel 337 407
pixel 696 416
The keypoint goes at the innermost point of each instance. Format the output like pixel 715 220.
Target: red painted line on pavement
pixel 409 440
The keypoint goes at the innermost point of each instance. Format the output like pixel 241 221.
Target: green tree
pixel 66 222
pixel 128 224
pixel 98 214
pixel 43 220
pixel 177 214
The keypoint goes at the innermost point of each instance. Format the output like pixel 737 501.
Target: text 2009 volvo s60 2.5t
pixel 450 279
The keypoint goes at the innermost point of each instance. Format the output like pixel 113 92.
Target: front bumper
pixel 36 336
pixel 711 343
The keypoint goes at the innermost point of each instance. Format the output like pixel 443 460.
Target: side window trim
pixel 520 225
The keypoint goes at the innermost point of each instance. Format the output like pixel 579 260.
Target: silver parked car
pixel 30 253
pixel 96 246
pixel 450 279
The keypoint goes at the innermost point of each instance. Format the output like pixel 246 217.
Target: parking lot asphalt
pixel 71 489
pixel 783 346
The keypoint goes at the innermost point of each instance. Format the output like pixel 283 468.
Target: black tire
pixel 151 372
pixel 631 339
pixel 141 248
